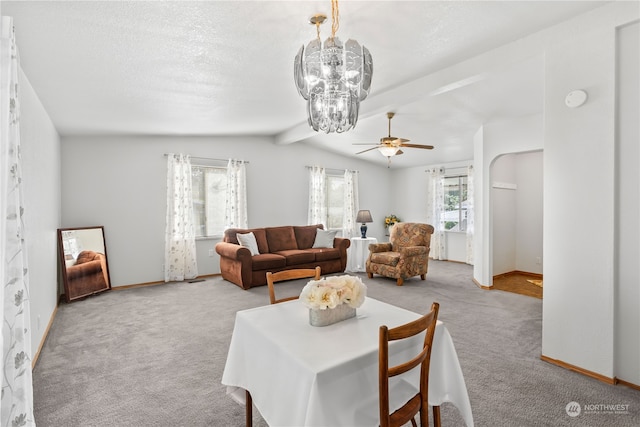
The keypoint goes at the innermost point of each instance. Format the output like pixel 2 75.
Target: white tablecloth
pixel 358 252
pixel 300 375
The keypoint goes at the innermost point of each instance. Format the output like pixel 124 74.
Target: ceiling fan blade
pixel 399 152
pixel 368 149
pixel 364 143
pixel 427 147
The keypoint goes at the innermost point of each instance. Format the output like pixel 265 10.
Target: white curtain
pixel 435 211
pixel 349 225
pixel 470 215
pixel 236 212
pixel 16 408
pixel 180 242
pixel 317 196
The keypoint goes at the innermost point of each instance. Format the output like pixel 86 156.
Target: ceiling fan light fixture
pixel 388 150
pixel 333 78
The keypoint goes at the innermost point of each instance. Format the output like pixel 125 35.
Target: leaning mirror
pixel 83 261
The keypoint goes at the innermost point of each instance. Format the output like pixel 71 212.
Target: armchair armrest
pixel 233 251
pixel 379 247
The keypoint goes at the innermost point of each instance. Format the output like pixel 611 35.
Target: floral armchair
pixel 406 255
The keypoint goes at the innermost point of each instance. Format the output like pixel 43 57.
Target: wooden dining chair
pixel 419 402
pixel 272 278
pixel 281 276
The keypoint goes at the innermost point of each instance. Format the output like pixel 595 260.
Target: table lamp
pixel 364 216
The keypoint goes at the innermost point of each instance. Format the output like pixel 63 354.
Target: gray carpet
pixel 154 356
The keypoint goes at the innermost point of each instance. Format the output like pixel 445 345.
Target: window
pixel 335 201
pixel 455 203
pixel 209 188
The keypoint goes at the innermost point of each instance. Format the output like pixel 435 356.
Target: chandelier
pixel 333 78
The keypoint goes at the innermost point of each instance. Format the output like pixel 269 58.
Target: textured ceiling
pixel 226 67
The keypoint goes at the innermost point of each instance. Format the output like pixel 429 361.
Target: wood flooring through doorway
pixel 517 282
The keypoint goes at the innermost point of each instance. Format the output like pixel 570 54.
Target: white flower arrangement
pixel 332 291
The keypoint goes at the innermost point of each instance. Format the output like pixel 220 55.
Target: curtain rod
pixel 443 169
pixel 209 158
pixel 334 169
pixel 433 169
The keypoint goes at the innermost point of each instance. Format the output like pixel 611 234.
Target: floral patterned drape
pixel 470 215
pixel 236 211
pixel 16 408
pixel 180 242
pixel 351 206
pixel 435 211
pixel 317 196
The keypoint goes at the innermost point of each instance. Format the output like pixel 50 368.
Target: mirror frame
pixel 73 289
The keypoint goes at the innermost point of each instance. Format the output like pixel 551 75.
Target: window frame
pixel 337 177
pixel 199 226
pixel 463 184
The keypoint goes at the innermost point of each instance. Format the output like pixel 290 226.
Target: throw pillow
pixel 249 241
pixel 324 239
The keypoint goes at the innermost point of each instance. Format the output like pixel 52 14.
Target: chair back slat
pixel 280 276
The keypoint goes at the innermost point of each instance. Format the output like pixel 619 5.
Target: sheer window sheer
pixel 470 215
pixel 317 213
pixel 16 407
pixel 435 211
pixel 180 241
pixel 318 200
pixel 236 214
pixel 351 207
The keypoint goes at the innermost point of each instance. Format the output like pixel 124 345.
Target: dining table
pixel 302 375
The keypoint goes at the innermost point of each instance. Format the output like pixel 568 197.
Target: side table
pixel 358 252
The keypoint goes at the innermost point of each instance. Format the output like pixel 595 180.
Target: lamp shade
pixel 364 216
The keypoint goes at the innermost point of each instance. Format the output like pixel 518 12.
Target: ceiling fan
pixel 390 145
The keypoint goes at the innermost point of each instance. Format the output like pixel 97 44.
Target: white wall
pixel 503 214
pixel 578 307
pixel 517 213
pixel 120 183
pixel 41 177
pixel 627 177
pixel 529 209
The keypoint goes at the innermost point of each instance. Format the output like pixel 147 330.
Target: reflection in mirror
pixel 83 261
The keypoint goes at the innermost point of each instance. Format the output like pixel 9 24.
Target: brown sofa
pixel 88 275
pixel 281 248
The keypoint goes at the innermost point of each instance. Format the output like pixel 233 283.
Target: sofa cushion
pixel 248 241
pixel 386 258
pixel 306 235
pixel 268 262
pixel 324 239
pixel 325 254
pixel 297 256
pixel 281 238
pixel 259 233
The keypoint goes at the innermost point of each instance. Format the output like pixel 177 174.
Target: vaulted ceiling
pixel 226 68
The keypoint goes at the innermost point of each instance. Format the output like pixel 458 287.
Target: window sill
pixel 209 238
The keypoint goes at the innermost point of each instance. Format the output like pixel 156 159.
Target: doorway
pixel 516 222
